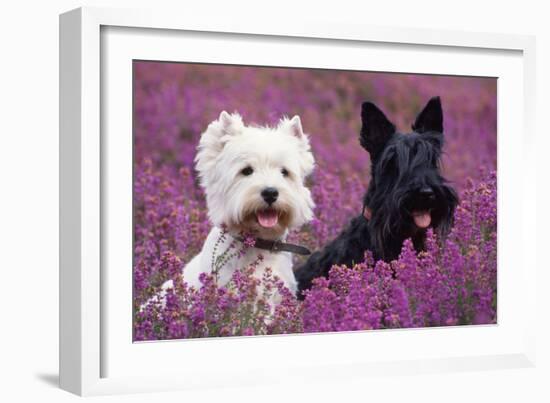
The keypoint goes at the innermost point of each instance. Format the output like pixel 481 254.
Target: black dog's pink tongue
pixel 267 218
pixel 422 219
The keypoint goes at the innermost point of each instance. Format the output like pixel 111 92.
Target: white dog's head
pixel 254 176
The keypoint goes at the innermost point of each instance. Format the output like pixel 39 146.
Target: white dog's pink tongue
pixel 268 218
pixel 422 219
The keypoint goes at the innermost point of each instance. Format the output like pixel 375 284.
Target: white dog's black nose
pixel 270 195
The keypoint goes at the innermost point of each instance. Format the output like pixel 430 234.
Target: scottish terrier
pixel 405 196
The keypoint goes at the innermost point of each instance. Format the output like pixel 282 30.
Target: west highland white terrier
pixel 253 178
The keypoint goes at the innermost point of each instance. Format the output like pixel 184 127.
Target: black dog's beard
pixel 392 218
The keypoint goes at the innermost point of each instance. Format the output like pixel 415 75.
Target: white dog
pixel 253 178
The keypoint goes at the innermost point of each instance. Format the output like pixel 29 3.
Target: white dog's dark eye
pixel 247 171
pixel 284 171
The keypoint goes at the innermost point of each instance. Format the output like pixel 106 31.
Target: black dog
pixel 406 193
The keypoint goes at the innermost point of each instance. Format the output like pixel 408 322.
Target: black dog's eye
pixel 284 171
pixel 247 171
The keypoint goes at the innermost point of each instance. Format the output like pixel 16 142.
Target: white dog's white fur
pixel 235 164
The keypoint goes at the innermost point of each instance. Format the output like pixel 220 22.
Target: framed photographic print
pixel 233 201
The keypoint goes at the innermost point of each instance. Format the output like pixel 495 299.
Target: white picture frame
pixel 93 349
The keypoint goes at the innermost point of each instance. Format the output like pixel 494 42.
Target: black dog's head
pixel 407 193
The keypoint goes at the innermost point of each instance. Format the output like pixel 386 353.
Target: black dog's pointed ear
pixel 376 129
pixel 431 117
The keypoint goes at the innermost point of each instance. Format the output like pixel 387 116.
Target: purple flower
pixel 249 241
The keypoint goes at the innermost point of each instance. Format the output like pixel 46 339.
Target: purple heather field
pixel 452 283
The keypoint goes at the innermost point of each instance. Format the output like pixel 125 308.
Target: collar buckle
pixel 276 246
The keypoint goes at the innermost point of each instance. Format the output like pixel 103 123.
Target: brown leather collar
pixel 278 246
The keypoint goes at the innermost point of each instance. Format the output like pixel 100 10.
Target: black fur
pixel 405 178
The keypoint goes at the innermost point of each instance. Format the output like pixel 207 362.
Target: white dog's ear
pixel 221 130
pixel 230 125
pixel 225 118
pixel 295 127
pixel 213 140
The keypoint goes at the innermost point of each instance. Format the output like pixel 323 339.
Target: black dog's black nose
pixel 270 195
pixel 427 192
